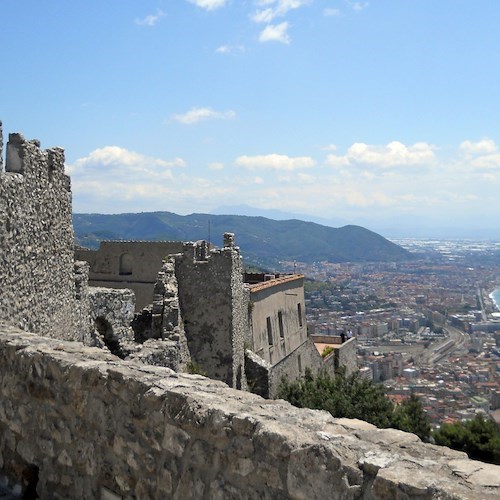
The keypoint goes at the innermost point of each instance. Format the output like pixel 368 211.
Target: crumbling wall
pixel 160 331
pixel 93 427
pixel 128 264
pixel 257 371
pixel 37 277
pixel 111 312
pixel 214 306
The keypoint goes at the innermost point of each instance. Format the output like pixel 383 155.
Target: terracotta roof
pixel 257 287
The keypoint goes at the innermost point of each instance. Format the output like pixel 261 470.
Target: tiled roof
pixel 257 287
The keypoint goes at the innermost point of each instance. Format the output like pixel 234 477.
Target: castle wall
pixel 275 325
pixel 91 427
pixel 37 275
pixel 294 365
pixel 128 264
pixel 347 356
pixel 214 307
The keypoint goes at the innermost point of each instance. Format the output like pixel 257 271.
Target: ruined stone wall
pixel 93 427
pixel 214 307
pixel 37 276
pixel 128 264
pixel 164 340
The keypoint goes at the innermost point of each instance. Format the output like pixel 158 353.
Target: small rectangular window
pixel 280 324
pixel 299 361
pixel 299 312
pixel 269 331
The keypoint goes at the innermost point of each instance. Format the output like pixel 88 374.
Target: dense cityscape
pixel 427 326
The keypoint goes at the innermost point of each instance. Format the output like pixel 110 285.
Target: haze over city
pixel 383 114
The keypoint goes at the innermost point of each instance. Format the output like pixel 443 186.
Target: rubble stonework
pixel 37 276
pixel 93 427
pixel 214 305
pixel 111 312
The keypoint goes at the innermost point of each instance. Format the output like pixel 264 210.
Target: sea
pixel 495 296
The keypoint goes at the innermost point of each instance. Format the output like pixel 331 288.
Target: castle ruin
pixel 78 422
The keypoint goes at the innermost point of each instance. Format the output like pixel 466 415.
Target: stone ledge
pixel 90 422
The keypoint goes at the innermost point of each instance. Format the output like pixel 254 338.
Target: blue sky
pixel 381 113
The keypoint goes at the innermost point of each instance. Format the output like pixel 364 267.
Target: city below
pixel 428 326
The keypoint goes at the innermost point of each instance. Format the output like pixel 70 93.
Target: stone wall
pixel 89 426
pixel 294 365
pixel 37 276
pixel 128 264
pixel 346 354
pixel 276 329
pixel 111 312
pixel 214 306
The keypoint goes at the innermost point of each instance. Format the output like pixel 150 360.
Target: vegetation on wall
pixel 355 397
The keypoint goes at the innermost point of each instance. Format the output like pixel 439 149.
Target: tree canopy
pixel 355 397
pixel 479 438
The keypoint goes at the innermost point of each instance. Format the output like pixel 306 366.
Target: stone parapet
pixel 91 426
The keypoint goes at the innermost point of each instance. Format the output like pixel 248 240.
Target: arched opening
pixel 126 264
pixel 30 481
pixel 105 330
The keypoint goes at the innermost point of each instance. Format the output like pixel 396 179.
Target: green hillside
pixel 262 241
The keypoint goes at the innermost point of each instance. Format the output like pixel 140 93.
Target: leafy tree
pixel 479 438
pixel 410 416
pixel 343 396
pixel 355 397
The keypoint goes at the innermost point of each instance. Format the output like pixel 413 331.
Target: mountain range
pixel 264 242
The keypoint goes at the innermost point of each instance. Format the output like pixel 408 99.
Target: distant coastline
pixel 495 298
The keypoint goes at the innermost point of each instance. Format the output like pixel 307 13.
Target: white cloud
pixel 392 155
pixel 258 180
pixel 478 156
pixel 331 12
pixel 216 166
pixel 306 178
pixel 487 162
pixel 483 146
pixel 117 178
pixel 196 115
pixel 114 159
pixel 329 147
pixel 264 16
pixel 359 5
pixel 279 8
pixel 275 33
pixel 209 4
pixel 150 20
pixel 230 49
pixel 275 162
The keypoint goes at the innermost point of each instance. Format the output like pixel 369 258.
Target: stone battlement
pixel 37 269
pixel 94 427
pixel 26 158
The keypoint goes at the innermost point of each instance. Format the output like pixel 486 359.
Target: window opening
pixel 299 312
pixel 126 264
pixel 280 324
pixel 269 331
